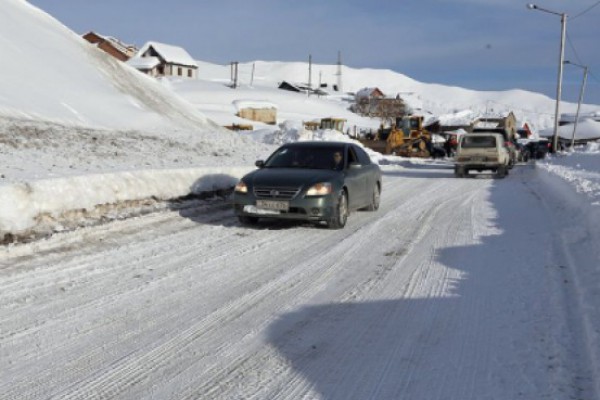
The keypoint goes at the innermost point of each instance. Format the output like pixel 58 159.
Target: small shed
pixel 256 110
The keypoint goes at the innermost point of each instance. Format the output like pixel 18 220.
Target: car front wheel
pixel 375 199
pixel 502 171
pixel 459 172
pixel 340 216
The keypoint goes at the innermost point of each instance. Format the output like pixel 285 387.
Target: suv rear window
pixel 478 142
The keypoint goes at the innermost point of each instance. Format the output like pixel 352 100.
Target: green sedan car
pixel 319 182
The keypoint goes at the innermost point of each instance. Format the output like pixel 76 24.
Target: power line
pixel 574 50
pixel 590 73
pixel 585 11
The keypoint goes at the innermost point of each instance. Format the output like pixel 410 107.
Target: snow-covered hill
pixel 50 73
pixel 426 98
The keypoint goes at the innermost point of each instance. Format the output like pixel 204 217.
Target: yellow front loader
pixel 406 138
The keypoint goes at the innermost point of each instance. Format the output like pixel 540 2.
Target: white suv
pixel 480 152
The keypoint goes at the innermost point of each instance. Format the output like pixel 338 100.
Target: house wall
pixel 181 70
pixel 266 115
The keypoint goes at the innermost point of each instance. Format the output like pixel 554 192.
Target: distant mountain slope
pixel 48 72
pixel 535 108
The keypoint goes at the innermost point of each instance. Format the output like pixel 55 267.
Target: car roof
pixel 315 143
pixel 495 134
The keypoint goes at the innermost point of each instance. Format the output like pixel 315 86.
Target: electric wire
pixel 585 11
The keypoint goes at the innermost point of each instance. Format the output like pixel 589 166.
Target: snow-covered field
pixel 120 285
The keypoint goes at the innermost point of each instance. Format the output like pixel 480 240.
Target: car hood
pixel 291 177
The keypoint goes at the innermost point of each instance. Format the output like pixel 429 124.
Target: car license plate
pixel 273 205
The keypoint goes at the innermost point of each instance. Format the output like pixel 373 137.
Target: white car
pixel 482 152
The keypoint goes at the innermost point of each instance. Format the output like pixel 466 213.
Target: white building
pixel 159 59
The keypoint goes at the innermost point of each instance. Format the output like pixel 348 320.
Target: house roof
pixel 169 53
pixel 255 104
pixel 143 62
pixel 116 43
pixel 369 92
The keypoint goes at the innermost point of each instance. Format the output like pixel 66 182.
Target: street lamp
pixel 585 73
pixel 563 20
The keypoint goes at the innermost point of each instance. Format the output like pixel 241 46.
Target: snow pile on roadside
pixel 581 170
pixel 24 205
pixel 293 131
pixel 572 184
pixel 592 147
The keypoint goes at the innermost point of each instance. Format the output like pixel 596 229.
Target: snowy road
pixel 452 290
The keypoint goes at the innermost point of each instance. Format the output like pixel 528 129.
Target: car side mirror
pixel 259 163
pixel 355 165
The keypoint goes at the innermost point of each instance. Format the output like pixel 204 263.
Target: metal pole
pixel 563 20
pixel 585 73
pixel 310 71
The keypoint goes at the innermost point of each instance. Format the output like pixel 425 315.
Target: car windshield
pixel 307 157
pixel 478 142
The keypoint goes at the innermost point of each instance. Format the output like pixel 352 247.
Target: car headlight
pixel 320 189
pixel 241 187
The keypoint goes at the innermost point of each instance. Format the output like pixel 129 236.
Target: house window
pixel 161 70
pixel 189 73
pixel 179 73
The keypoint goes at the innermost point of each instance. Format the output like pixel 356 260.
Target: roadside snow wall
pixel 23 205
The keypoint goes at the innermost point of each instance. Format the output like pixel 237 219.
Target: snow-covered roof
pixel 171 54
pixel 257 104
pixel 116 43
pixel 587 129
pixel 368 92
pixel 461 118
pixel 143 62
pixel 567 117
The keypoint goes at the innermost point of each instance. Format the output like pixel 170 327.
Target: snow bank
pixel 581 170
pixel 572 186
pixel 22 204
pixel 293 131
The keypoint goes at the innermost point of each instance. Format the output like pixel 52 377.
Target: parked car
pixel 480 152
pixel 538 149
pixel 319 182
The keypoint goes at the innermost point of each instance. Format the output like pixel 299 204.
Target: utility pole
pixel 310 71
pixel 585 74
pixel 234 74
pixel 563 20
pixel 339 71
pixel 561 59
pixel 252 76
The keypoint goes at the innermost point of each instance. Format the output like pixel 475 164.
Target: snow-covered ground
pixel 455 289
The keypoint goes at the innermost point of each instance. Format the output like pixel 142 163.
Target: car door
pixel 371 171
pixel 356 179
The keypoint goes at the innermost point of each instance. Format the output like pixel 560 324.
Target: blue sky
pixel 477 44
